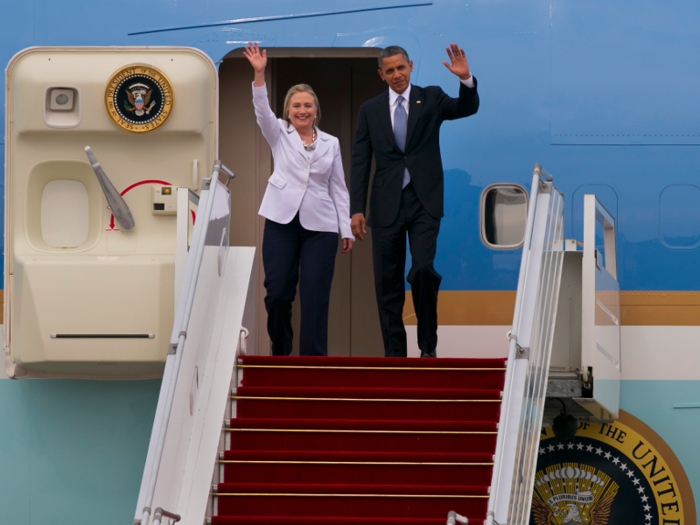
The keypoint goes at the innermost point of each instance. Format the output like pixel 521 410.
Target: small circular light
pixel 62 99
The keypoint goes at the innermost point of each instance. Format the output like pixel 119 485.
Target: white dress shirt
pixel 393 97
pixel 311 183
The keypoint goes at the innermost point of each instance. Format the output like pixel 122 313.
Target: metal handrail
pixel 160 513
pixel 453 518
pixel 174 358
pixel 547 253
pixel 513 348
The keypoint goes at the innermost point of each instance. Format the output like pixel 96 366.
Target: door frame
pixel 263 164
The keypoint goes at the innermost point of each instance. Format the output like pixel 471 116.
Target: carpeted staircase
pixel 372 441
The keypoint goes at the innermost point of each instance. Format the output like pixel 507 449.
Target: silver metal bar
pixel 160 513
pixel 103 336
pixel 194 198
pixel 227 171
pixel 116 202
pixel 540 172
pixel 453 518
pixel 183 221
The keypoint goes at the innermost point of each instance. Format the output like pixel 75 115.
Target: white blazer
pixel 309 182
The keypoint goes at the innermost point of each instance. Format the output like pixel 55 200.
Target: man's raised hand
pixel 458 61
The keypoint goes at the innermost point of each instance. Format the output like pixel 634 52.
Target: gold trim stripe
pixel 468 307
pixel 256 462
pixel 376 368
pixel 262 398
pixel 660 308
pixel 475 432
pixel 452 496
pixel 495 308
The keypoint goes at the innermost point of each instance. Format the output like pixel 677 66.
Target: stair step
pixel 362 435
pixel 356 467
pixel 414 394
pixel 380 362
pixel 372 372
pixel 365 457
pixel 339 425
pixel 373 403
pixel 276 520
pixel 372 501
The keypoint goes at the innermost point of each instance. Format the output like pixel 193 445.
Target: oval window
pixel 503 216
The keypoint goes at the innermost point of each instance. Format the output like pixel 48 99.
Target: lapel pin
pixel 417 101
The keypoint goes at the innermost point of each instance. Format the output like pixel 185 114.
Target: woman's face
pixel 302 111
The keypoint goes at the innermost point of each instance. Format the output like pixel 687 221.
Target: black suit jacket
pixel 428 108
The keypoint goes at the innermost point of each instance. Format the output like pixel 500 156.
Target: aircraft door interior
pixel 98 142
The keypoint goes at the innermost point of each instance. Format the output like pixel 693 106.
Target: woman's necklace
pixel 309 147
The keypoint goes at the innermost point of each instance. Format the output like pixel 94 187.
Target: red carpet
pixel 353 441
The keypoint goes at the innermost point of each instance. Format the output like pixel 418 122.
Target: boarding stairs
pixel 369 440
pixel 240 439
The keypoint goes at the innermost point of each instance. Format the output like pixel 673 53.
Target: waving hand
pixel 458 61
pixel 258 60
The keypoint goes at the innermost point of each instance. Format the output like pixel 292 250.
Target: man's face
pixel 396 71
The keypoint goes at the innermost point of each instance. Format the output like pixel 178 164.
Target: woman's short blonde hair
pixel 301 88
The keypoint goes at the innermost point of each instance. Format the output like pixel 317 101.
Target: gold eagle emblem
pixel 600 512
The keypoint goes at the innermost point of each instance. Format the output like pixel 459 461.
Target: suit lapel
pixel 384 116
pixel 414 110
pixel 296 140
pixel 321 147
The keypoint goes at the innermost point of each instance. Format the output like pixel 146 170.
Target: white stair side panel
pixel 215 383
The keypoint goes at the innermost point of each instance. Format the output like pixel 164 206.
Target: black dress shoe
pixel 427 354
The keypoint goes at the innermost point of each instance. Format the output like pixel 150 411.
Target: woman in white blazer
pixel 306 204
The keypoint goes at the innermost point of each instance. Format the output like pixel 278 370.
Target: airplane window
pixel 679 216
pixel 64 213
pixel 503 216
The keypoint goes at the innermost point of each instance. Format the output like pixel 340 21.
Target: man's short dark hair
pixel 390 52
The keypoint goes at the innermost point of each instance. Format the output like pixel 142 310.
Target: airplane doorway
pixel 343 80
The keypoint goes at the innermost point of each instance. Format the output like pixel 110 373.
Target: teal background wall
pixel 652 402
pixel 72 452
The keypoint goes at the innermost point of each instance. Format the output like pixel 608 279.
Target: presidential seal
pixel 608 474
pixel 139 98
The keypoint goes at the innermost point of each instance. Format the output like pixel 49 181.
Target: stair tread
pixel 417 394
pixel 345 456
pixel 390 490
pixel 294 520
pixel 364 424
pixel 383 362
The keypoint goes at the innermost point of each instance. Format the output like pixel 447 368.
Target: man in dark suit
pixel 401 127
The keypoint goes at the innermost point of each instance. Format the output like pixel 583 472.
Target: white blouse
pixel 309 182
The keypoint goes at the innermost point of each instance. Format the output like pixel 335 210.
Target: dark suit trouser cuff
pixel 425 283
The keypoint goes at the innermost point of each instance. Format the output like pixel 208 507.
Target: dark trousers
pixel 389 258
pixel 284 247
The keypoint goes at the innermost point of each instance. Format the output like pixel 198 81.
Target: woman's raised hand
pixel 257 59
